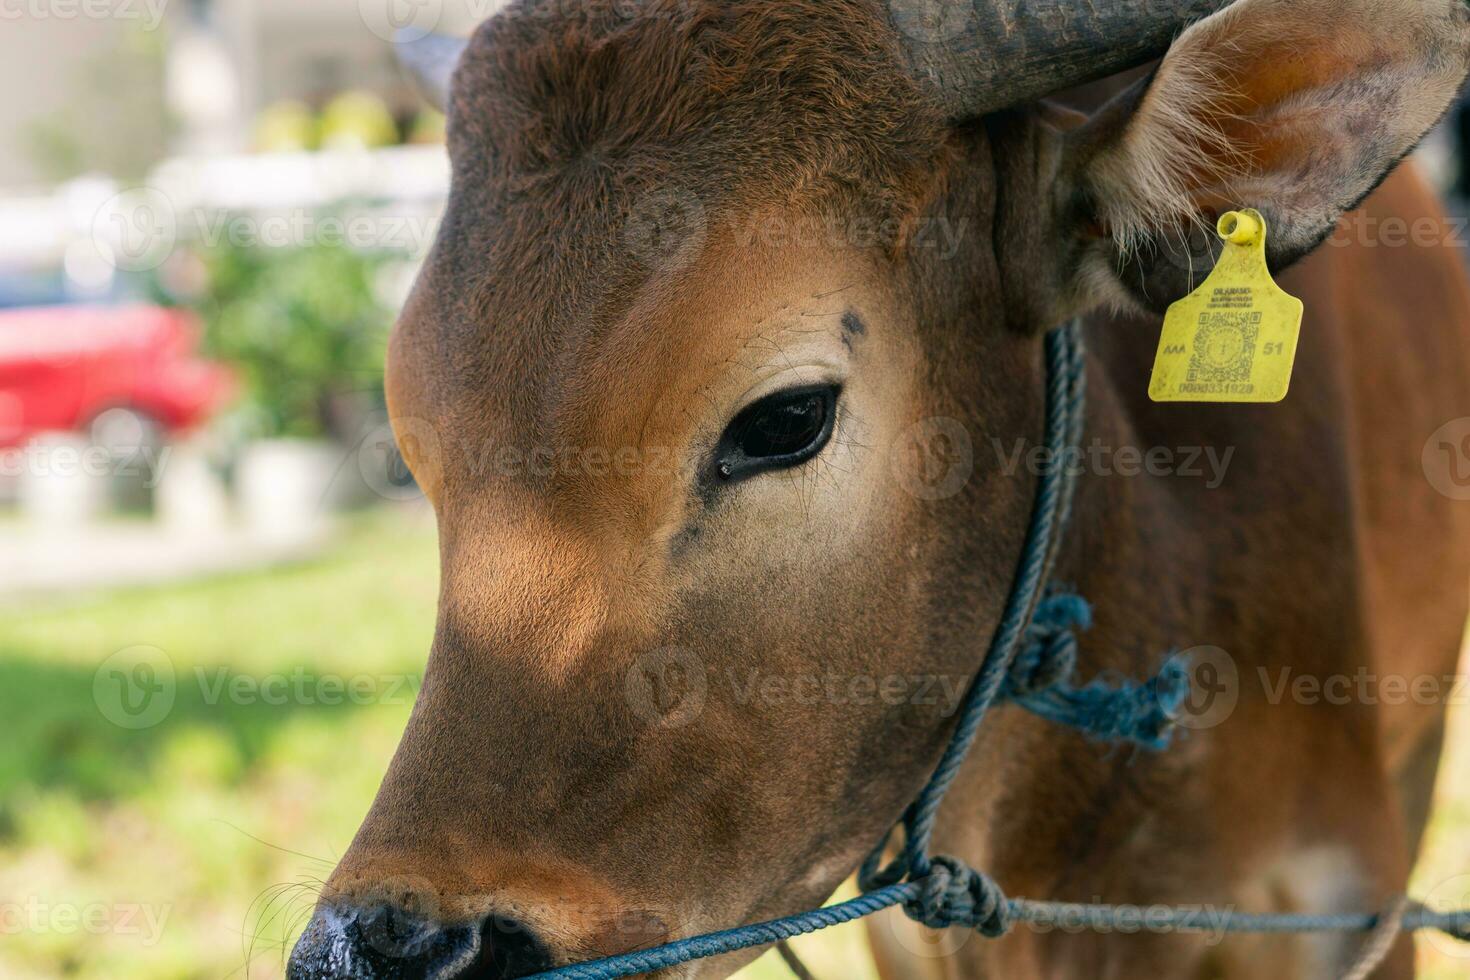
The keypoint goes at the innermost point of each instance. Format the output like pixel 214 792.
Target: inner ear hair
pixel 1155 155
pixel 1297 107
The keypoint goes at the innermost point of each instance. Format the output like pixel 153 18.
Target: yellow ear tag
pixel 1234 338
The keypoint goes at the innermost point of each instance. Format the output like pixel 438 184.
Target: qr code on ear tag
pixel 1224 348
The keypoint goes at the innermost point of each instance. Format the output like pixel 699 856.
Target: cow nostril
pixel 381 941
pixel 399 934
pixel 509 949
pixel 377 941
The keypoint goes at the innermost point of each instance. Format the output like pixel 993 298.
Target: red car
pixel 63 366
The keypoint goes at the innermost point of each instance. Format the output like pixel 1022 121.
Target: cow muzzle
pixel 375 940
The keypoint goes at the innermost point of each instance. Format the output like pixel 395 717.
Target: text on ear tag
pixel 1234 338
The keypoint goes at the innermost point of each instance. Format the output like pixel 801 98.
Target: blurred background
pixel 217 581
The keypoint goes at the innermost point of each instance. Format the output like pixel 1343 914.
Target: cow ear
pixel 430 59
pixel 1298 108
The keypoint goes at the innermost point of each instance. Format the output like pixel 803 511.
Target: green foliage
pixel 303 326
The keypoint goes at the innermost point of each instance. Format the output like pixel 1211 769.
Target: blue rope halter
pixel 1031 662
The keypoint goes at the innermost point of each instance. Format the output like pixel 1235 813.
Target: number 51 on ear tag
pixel 1234 338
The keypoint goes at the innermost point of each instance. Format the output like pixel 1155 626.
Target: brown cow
pixel 717 281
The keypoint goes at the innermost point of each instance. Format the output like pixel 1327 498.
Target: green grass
pixel 195 819
pixel 192 848
pixel 196 844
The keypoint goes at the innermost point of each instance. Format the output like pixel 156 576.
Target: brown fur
pixel 533 779
pixel 582 112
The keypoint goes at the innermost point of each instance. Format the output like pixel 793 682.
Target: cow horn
pixel 985 55
pixel 430 58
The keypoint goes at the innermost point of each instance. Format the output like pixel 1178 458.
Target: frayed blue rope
pixel 1040 680
pixel 1031 660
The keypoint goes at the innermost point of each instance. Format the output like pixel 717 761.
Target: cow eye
pixel 778 432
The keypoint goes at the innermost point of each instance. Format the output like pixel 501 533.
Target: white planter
pixel 191 496
pixel 284 486
pixel 62 482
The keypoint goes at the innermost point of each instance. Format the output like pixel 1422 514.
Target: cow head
pixel 723 292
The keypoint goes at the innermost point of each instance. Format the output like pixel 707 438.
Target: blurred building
pixel 161 77
pixel 175 95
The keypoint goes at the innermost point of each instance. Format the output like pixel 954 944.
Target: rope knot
pixel 954 894
pixel 1048 656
